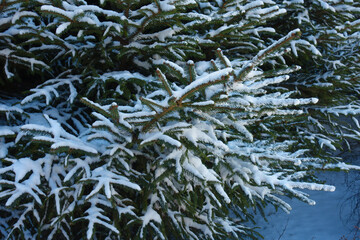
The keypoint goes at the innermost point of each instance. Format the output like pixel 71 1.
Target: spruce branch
pixel 164 81
pixel 151 104
pixel 158 116
pixel 213 64
pixel 200 83
pixel 223 58
pixel 259 58
pixel 192 71
pixel 97 107
pixel 214 78
pixel 58 12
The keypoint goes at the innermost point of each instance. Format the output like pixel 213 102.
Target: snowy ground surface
pixel 332 218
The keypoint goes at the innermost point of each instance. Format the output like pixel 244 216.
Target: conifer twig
pixel 295 34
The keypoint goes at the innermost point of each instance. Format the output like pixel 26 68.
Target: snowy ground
pixel 332 218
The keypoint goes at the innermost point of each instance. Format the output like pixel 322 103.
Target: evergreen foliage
pixel 170 119
pixel 331 31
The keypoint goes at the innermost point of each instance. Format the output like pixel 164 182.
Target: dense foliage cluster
pixel 170 119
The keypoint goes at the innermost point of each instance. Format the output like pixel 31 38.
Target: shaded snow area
pixel 334 217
